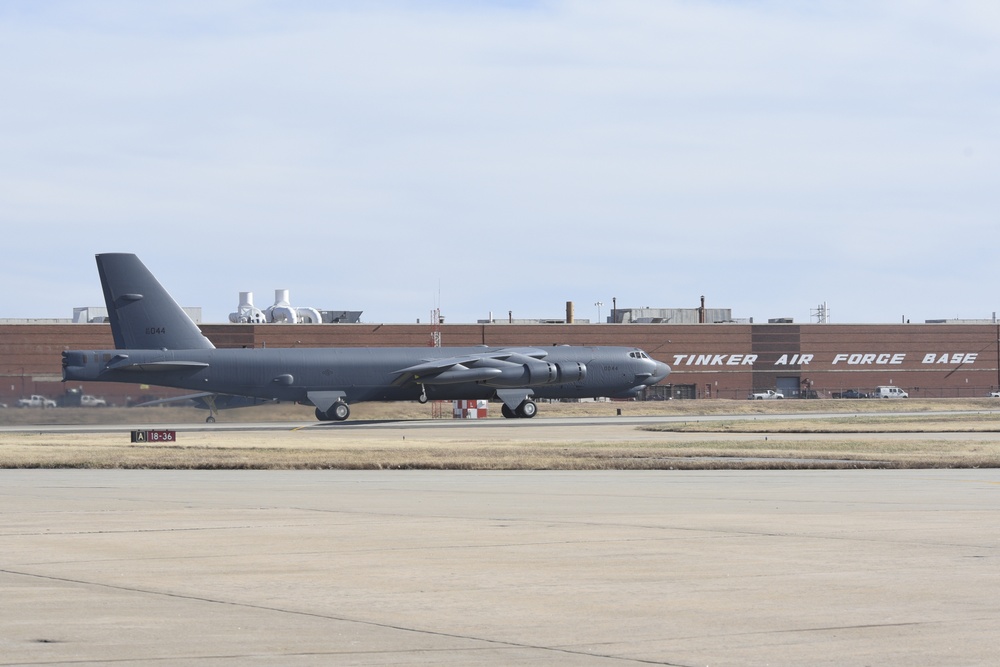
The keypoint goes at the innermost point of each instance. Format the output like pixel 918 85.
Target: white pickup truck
pixel 35 401
pixel 768 395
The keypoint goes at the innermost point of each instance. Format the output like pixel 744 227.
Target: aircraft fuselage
pixel 157 343
pixel 363 374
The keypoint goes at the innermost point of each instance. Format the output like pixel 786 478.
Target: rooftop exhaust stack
pixel 247 313
pixel 281 311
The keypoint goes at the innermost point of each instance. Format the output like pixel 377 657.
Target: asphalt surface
pixel 499 568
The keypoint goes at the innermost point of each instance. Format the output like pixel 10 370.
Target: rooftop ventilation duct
pixel 247 313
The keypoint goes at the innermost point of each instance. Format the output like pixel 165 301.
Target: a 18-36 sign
pixel 154 436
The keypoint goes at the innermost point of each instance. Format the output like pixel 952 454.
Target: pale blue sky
pixel 394 157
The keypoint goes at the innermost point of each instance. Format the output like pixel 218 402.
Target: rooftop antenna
pixel 821 313
pixel 436 320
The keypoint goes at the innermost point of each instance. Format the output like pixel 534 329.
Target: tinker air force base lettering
pixel 847 359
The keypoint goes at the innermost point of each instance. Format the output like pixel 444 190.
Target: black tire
pixel 340 411
pixel 527 410
pixel 507 412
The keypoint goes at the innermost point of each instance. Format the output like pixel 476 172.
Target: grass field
pixel 289 412
pixel 834 434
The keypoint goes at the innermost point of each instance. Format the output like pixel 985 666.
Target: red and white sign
pixel 471 409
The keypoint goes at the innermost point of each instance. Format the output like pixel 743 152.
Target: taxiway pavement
pixel 503 568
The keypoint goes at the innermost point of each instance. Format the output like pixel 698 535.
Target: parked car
pixel 35 401
pixel 88 401
pixel 768 395
pixel 852 393
pixel 995 394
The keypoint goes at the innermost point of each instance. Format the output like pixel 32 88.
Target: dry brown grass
pixel 981 422
pixel 289 412
pixel 860 438
pixel 770 453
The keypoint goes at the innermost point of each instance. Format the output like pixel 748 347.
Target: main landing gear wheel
pixel 338 412
pixel 526 410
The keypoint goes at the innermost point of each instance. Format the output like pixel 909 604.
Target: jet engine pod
pixel 527 374
pixel 542 372
pixel 537 372
pixel 574 371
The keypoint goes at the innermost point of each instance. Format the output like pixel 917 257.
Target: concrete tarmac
pixel 499 568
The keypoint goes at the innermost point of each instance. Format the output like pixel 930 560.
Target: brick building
pixel 708 360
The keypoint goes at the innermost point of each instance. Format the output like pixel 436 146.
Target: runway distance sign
pixel 154 436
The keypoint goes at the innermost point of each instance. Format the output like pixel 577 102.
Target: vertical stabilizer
pixel 143 315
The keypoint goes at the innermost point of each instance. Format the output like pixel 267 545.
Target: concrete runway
pixel 505 568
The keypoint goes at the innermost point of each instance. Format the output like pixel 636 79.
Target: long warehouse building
pixel 709 361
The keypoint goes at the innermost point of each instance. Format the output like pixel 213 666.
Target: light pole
pixel 598 304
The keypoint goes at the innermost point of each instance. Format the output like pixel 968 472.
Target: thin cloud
pixel 518 154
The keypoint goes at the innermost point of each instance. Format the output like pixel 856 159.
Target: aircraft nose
pixel 653 372
pixel 661 371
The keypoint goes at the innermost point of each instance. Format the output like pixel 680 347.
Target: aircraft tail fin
pixel 143 315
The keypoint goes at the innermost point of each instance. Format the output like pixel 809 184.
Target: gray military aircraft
pixel 157 343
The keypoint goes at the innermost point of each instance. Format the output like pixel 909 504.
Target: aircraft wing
pixel 174 399
pixel 476 367
pixel 208 400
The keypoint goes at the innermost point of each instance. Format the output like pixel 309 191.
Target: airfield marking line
pixel 340 619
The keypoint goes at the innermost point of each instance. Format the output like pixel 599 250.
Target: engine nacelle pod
pixel 529 374
pixel 537 373
pixel 573 371
pixel 541 372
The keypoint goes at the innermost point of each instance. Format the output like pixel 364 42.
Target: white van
pixel 890 392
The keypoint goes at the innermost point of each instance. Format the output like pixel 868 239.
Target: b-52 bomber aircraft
pixel 157 343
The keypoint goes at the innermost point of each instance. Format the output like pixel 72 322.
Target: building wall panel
pixel 708 360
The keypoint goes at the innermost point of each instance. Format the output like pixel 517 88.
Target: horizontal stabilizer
pixel 162 366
